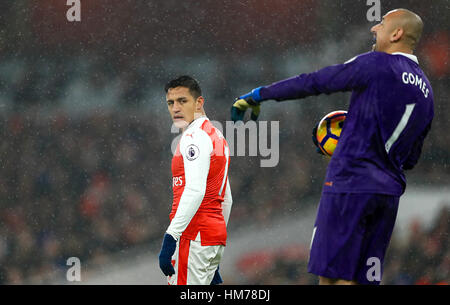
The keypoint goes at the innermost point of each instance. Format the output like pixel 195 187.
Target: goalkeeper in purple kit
pixel 390 114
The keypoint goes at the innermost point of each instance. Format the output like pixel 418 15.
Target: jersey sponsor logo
pixel 177 181
pixel 329 183
pixel 192 152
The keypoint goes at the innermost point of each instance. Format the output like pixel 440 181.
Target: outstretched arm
pixel 351 75
pixel 342 77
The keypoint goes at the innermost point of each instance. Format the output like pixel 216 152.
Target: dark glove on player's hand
pixel 217 279
pixel 314 138
pixel 165 256
pixel 250 100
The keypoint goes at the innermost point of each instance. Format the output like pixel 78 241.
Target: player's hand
pixel 250 100
pixel 165 256
pixel 217 279
pixel 314 139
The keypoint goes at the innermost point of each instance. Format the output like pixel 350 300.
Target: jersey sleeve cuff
pixel 173 234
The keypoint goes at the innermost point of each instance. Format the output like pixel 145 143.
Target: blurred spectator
pixel 425 257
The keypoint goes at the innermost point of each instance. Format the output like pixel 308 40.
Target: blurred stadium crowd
pixel 85 151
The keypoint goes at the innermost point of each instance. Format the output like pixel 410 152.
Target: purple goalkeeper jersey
pixel 390 114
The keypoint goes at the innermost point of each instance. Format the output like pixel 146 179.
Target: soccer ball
pixel 329 130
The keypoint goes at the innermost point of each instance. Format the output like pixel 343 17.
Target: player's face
pixel 382 33
pixel 182 106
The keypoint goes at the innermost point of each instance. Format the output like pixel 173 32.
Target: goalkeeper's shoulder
pixel 371 58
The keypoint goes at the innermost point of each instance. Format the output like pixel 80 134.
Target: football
pixel 329 130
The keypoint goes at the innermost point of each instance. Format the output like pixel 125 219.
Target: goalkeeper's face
pixel 399 30
pixel 385 32
pixel 380 35
pixel 183 106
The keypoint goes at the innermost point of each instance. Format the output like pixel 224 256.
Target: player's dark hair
pixel 187 82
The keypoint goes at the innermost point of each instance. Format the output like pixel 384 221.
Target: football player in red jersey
pixel 195 239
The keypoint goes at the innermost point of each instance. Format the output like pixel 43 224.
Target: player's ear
pixel 397 34
pixel 199 103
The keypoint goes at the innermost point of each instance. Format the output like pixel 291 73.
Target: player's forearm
pixel 327 80
pixel 189 203
pixel 299 86
pixel 335 78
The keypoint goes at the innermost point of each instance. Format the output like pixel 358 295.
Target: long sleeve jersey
pixel 201 191
pixel 390 114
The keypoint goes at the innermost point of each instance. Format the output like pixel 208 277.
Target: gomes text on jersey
pixel 390 113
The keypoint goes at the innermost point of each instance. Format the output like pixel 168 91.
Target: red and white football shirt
pixel 201 191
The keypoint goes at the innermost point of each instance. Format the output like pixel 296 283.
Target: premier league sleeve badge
pixel 192 152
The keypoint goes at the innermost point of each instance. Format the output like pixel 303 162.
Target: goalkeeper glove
pixel 165 256
pixel 250 100
pixel 314 138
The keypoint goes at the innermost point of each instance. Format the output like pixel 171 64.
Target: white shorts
pixel 194 264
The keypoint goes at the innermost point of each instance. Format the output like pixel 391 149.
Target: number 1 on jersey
pixel 400 127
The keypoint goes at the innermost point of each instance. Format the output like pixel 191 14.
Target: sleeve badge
pixel 192 152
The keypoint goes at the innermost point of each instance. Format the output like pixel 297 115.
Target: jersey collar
pixel 410 56
pixel 196 123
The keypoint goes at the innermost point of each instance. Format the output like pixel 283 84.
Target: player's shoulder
pixel 208 127
pixel 372 64
pixel 196 136
pixel 210 130
pixel 368 58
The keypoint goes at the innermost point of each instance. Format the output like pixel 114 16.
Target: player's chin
pixel 374 43
pixel 180 123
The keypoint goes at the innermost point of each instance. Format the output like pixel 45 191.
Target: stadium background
pixel 85 151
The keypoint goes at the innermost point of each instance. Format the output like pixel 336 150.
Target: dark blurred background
pixel 85 151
